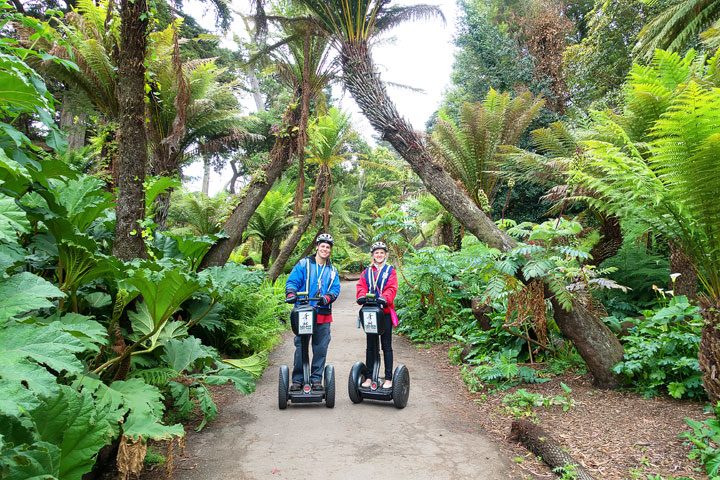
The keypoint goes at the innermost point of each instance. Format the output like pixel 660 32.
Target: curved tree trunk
pixel 598 346
pixel 132 143
pixel 289 246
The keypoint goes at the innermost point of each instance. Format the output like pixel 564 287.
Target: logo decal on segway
pixel 370 322
pixel 305 323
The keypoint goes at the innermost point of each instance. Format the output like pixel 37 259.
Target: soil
pixel 445 432
pixel 615 435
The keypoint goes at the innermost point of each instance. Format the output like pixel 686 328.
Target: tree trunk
pixel 447 236
pixel 72 121
pixel 687 282
pixel 206 176
pixel 539 442
pixel 132 143
pixel 709 355
pixel 595 342
pixel 598 346
pixel 291 143
pixel 611 239
pixel 289 246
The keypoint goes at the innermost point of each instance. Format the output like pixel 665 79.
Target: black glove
pixel 325 300
pixel 381 301
pixel 361 300
pixel 290 297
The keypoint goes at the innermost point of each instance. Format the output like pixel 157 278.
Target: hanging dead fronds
pixel 529 310
pixel 130 457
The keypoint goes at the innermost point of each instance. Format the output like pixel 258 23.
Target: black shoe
pixel 295 387
pixel 317 386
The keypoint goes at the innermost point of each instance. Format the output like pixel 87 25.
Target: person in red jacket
pixel 380 278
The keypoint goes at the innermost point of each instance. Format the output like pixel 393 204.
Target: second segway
pixel 303 320
pixel 375 323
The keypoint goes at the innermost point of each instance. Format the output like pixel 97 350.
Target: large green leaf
pixel 137 404
pixel 72 421
pixel 229 276
pixel 242 380
pixel 12 220
pixel 146 408
pixel 26 350
pixel 91 332
pixel 10 255
pixel 17 92
pixel 84 198
pixel 24 292
pixel 15 398
pixel 36 461
pixel 163 291
pixel 181 354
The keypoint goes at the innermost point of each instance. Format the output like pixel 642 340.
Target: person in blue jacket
pixel 315 276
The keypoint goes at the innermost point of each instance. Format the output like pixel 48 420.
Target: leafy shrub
pixel 661 351
pixel 704 438
pixel 638 269
pixel 252 317
pixel 521 403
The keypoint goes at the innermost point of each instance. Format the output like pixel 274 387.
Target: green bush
pixel 661 351
pixel 252 317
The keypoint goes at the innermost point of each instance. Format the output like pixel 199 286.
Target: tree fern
pixel 470 149
pixel 669 177
pixel 678 26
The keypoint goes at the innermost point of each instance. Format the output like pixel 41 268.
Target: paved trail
pixel 429 439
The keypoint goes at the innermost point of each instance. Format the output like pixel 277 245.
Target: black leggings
pixel 386 343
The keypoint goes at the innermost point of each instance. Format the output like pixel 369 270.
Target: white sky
pixel 420 55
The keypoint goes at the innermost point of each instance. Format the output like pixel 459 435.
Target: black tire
pixel 329 379
pixel 354 381
pixel 401 386
pixel 283 387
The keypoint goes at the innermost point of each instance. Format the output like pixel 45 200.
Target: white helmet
pixel 324 238
pixel 378 245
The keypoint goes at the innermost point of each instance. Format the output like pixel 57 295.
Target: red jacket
pixel 389 289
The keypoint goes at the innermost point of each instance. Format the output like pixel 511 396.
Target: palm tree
pixel 470 151
pixel 271 221
pixel 352 25
pixel 669 181
pixel 311 75
pixel 326 148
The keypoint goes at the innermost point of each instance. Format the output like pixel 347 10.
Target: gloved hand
pixel 324 300
pixel 381 301
pixel 290 297
pixel 361 300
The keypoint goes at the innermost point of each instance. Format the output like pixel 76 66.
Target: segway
pixel 303 319
pixel 375 323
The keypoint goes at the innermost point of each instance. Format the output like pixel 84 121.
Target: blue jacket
pixel 298 282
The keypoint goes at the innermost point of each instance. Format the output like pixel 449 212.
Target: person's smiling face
pixel 324 250
pixel 379 255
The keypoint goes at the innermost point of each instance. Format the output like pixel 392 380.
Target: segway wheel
pixel 401 386
pixel 329 380
pixel 354 381
pixel 283 386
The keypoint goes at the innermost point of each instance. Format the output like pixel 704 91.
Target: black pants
pixel 386 343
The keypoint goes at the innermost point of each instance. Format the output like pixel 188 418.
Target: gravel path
pixel 429 439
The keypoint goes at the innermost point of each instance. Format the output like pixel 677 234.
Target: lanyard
pixel 374 278
pixel 319 274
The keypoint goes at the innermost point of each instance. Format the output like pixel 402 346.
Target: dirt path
pixel 429 439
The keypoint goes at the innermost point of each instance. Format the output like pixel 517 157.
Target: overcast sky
pixel 418 54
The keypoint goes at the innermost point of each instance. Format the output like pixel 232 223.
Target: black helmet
pixel 378 245
pixel 324 238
